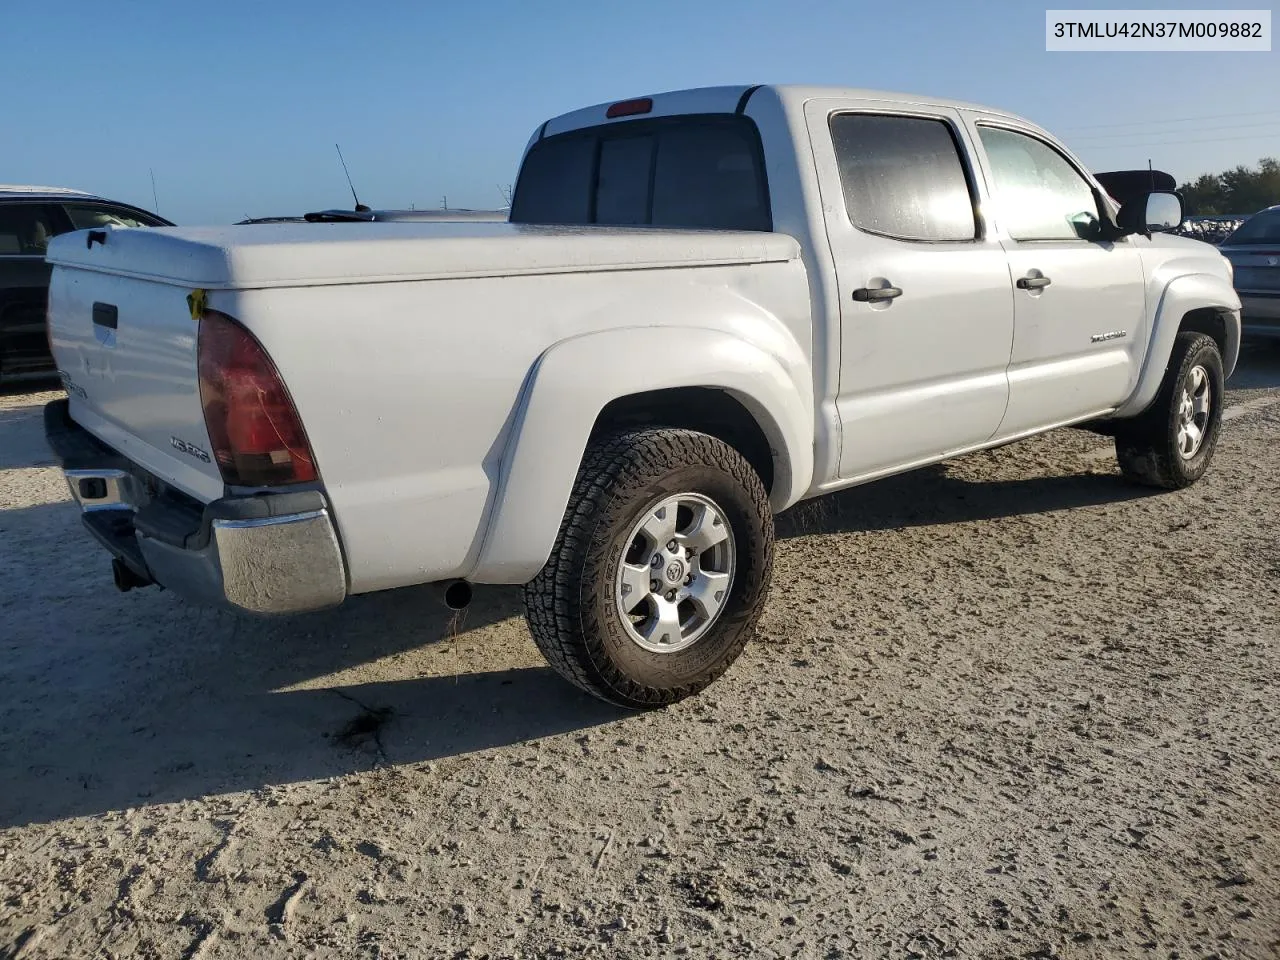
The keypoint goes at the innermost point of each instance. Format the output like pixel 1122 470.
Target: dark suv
pixel 29 216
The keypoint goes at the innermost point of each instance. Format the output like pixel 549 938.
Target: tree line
pixel 1244 190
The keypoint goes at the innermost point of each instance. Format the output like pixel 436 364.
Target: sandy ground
pixel 1010 707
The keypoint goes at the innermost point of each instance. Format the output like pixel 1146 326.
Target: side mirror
pixel 1147 213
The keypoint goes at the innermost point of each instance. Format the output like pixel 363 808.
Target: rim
pixel 674 578
pixel 1194 405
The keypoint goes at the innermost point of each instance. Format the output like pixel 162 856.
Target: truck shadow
pixel 932 495
pixel 111 700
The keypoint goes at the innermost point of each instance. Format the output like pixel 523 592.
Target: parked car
pixel 1210 229
pixel 29 218
pixel 709 305
pixel 1254 251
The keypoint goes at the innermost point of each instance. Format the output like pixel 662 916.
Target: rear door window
pixel 689 171
pixel 902 177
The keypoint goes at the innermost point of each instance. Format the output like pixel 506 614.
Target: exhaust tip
pixel 457 595
pixel 124 577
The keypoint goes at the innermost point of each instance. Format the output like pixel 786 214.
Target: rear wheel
pixel 660 569
pixel 1172 443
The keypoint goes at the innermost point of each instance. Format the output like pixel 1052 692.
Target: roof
pixel 796 93
pixel 27 192
pixel 728 98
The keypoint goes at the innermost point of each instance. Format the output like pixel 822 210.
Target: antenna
pixel 154 199
pixel 1152 174
pixel 360 207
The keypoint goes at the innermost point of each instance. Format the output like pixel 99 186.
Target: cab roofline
pixel 727 99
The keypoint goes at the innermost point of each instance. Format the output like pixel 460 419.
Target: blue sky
pixel 236 105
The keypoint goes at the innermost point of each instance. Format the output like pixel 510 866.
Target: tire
pixel 1156 449
pixel 622 499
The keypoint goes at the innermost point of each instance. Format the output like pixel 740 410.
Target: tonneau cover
pixel 308 254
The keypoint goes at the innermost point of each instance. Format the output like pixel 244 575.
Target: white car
pixel 709 305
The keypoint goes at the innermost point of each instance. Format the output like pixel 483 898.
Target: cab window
pixel 902 177
pixel 1038 194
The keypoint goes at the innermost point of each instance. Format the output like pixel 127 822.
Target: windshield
pixel 1260 228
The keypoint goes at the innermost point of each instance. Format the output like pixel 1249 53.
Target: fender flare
pixel 1180 296
pixel 571 383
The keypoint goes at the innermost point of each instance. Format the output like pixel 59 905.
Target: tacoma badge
pixel 190 449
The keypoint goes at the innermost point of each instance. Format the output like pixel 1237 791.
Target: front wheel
pixel 660 569
pixel 1171 444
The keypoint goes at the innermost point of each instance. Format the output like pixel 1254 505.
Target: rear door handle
pixel 1033 283
pixel 874 294
pixel 106 315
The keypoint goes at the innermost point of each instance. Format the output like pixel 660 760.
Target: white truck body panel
pixel 898 403
pixel 413 459
pixel 135 387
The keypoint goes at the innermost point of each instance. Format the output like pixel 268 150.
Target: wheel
pixel 1170 445
pixel 660 569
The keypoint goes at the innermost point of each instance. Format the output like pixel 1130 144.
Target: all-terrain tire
pixel 572 606
pixel 1150 447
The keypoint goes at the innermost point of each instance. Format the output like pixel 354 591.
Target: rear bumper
pixel 1260 312
pixel 270 553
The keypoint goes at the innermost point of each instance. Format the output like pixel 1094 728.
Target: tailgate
pixel 126 350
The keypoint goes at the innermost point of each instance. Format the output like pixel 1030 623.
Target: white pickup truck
pixel 707 306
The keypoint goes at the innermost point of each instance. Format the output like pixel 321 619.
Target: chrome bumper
pixel 283 564
pixel 271 553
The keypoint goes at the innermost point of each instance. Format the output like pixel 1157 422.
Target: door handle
pixel 875 294
pixel 1033 283
pixel 106 315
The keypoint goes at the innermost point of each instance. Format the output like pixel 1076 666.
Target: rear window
pixel 693 171
pixel 1260 228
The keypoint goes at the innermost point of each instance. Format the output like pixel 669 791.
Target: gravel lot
pixel 1010 707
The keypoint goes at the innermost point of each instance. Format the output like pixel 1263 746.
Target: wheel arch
pixel 719 383
pixel 720 413
pixel 1201 302
pixel 1214 323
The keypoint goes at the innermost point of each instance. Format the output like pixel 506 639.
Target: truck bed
pixel 406 368
pixel 312 254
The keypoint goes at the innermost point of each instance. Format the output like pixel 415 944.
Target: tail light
pixel 257 438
